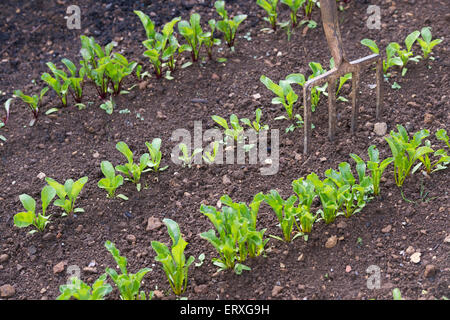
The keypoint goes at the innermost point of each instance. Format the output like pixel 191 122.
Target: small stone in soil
pixel 58 268
pixel 415 257
pixel 410 250
pixel 226 180
pixel 201 288
pixel 41 176
pixel 276 290
pixel 131 238
pixel 7 291
pixel 430 271
pixel 386 229
pixel 380 128
pixel 153 224
pixel 3 258
pixel 331 242
pixel 158 294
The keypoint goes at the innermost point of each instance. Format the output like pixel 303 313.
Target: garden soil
pixel 71 143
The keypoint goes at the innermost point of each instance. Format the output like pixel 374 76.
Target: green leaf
pixel 297 78
pixel 173 230
pixel 108 169
pixel 52 110
pixel 272 86
pixel 410 39
pixel 371 44
pixel 47 195
pixel 125 150
pixel 221 121
pixel 28 203
pixel 23 219
pixel 186 64
pixel 396 294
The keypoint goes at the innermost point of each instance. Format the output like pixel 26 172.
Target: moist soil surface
pixel 72 143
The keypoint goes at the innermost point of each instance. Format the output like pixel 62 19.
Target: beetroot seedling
pixel 228 26
pixel 33 102
pixel 174 262
pixel 270 6
pixel 30 216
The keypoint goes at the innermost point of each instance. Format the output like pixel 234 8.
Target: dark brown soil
pixel 72 143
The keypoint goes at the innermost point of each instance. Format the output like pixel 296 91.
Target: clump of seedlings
pixel 174 261
pixel 31 217
pixel 227 25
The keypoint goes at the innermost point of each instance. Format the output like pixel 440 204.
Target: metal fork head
pixel 342 66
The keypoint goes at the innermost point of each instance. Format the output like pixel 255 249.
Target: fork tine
pixel 331 108
pixel 379 103
pixel 306 119
pixel 355 109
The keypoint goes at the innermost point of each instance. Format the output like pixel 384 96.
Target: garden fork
pixel 341 67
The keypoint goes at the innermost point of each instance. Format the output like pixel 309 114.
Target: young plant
pixel 406 55
pixel 374 165
pixel 76 83
pixel 317 70
pixel 348 190
pixel 255 240
pixel 391 54
pixel 141 75
pixel 228 26
pixel 127 283
pixel 30 216
pixel 308 7
pixel 426 43
pixel 108 105
pixel 95 62
pixel 305 191
pixel 255 125
pixel 210 157
pixel 161 46
pixel 440 164
pixel 342 80
pixel 208 38
pixel 186 158
pixel 294 6
pixel 330 197
pixel 270 6
pixel 406 152
pixel 33 102
pixel 284 92
pixel 118 69
pixel 58 84
pixel 286 96
pixel 237 131
pixel 237 235
pixel 286 213
pixel 193 34
pixel 67 193
pixel 81 291
pixel 5 119
pixel 111 182
pixel 174 261
pixel 131 170
pixel 155 155
pixel 441 134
